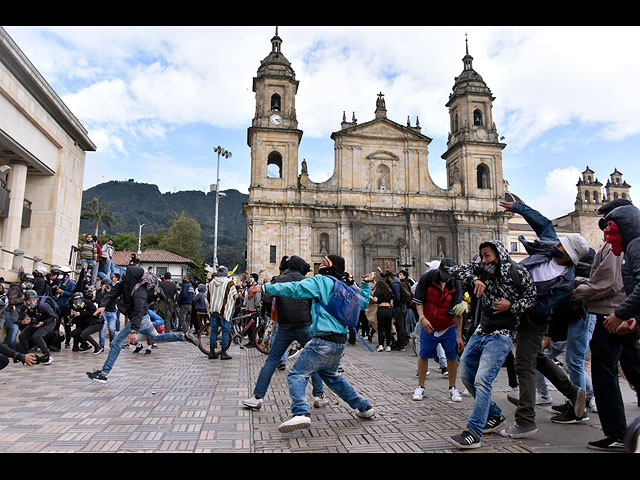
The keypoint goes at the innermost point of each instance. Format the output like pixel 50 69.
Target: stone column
pixel 13 223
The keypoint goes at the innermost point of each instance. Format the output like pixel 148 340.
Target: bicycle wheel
pixel 263 336
pixel 415 339
pixel 204 339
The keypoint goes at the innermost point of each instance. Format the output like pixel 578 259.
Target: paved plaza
pixel 176 400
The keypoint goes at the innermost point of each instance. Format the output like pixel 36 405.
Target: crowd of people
pixel 474 319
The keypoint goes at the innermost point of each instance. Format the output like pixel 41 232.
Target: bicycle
pixel 237 331
pixel 264 335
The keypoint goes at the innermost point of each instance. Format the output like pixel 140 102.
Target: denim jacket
pixel 552 292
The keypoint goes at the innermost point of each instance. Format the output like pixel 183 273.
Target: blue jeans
pixel 279 347
pixel 146 328
pixel 217 321
pixel 110 319
pixel 322 357
pixel 480 364
pixel 12 337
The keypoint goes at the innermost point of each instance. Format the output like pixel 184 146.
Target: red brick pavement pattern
pixel 176 400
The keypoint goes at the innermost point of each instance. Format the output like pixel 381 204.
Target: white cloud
pixel 559 193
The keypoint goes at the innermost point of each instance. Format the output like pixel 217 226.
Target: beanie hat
pixel 337 261
pixel 576 247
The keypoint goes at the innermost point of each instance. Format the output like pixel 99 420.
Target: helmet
pixel 41 269
pixel 29 294
pixel 65 269
pixel 77 301
pixel 28 278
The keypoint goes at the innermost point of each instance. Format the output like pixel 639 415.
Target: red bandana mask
pixel 613 236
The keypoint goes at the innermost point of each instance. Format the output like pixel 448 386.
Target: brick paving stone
pixel 179 401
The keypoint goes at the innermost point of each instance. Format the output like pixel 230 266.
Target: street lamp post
pixel 140 225
pixel 226 154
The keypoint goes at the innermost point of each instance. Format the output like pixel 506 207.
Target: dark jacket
pixel 292 312
pixel 628 220
pixel 169 288
pixel 42 313
pixel 131 301
pixel 200 301
pixel 186 294
pixel 86 316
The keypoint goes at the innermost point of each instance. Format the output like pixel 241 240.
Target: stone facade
pixel 380 204
pixel 42 156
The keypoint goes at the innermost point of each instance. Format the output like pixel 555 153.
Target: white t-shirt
pixel 548 271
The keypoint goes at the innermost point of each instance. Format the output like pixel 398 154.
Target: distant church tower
pixel 589 197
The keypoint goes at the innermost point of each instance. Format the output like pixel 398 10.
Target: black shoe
pixel 568 416
pixel 466 439
pixel 493 424
pixel 147 351
pixel 281 366
pixel 97 376
pixel 98 350
pixel 562 408
pixel 608 444
pixel 43 360
pixel 224 355
pixel 138 349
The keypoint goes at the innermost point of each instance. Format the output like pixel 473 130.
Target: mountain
pixel 135 202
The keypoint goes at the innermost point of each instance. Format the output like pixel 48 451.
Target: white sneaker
pixel 253 403
pixel 592 405
pixel 388 349
pixel 543 399
pixel 380 348
pixel 298 422
pixel 319 402
pixel 418 394
pixel 465 393
pixel 454 394
pixel 366 414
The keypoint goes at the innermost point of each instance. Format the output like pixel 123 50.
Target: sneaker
pixel 466 439
pixel 580 403
pixel 562 407
pixel 191 338
pixel 84 349
pixel 514 395
pixel 319 402
pixel 568 416
pixel 253 403
pixel 592 405
pixel 98 350
pixel 380 348
pixel 418 394
pixel 493 424
pixel 44 360
pixel 388 348
pixel 281 366
pixel 519 431
pixel 298 422
pixel 368 413
pixel 454 394
pixel 138 348
pixel 543 399
pixel 608 444
pixel 97 376
pixel 147 351
pixel 444 371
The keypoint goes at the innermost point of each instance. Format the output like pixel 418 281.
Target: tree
pixel 183 238
pixel 125 242
pixel 98 212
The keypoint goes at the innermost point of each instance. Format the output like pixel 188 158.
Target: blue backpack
pixel 344 304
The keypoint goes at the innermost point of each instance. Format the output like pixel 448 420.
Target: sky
pixel 156 101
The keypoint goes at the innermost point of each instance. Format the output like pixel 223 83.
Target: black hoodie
pixel 292 312
pixel 628 220
pixel 132 304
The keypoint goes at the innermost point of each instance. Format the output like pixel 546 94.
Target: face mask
pixel 31 305
pixel 613 236
pixel 490 267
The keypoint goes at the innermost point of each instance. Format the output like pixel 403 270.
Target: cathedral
pixel 380 206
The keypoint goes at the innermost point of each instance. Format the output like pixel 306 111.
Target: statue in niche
pixel 441 245
pixel 383 182
pixel 324 244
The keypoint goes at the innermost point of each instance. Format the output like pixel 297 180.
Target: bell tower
pixel 274 137
pixel 474 152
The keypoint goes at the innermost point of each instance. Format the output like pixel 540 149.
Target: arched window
pixel 586 196
pixel 274 165
pixel 595 197
pixel 441 245
pixel 615 195
pixel 483 176
pixel 276 104
pixel 455 124
pixel 624 195
pixel 477 117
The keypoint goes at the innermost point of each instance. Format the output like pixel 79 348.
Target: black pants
pixel 399 314
pixel 607 349
pixel 4 361
pixel 37 336
pixel 385 321
pixel 83 334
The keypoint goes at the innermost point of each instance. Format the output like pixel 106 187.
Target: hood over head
pixel 299 265
pixel 503 256
pixel 627 218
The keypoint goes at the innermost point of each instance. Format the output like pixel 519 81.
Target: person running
pixel 132 294
pixel 505 292
pixel 294 320
pixel 322 354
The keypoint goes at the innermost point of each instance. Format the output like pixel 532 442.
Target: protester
pixel 551 263
pixel 185 303
pixel 222 294
pixel 322 354
pixel 505 292
pixel 86 324
pixel 39 317
pixel 438 296
pixel 294 320
pixel 167 306
pixel 383 296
